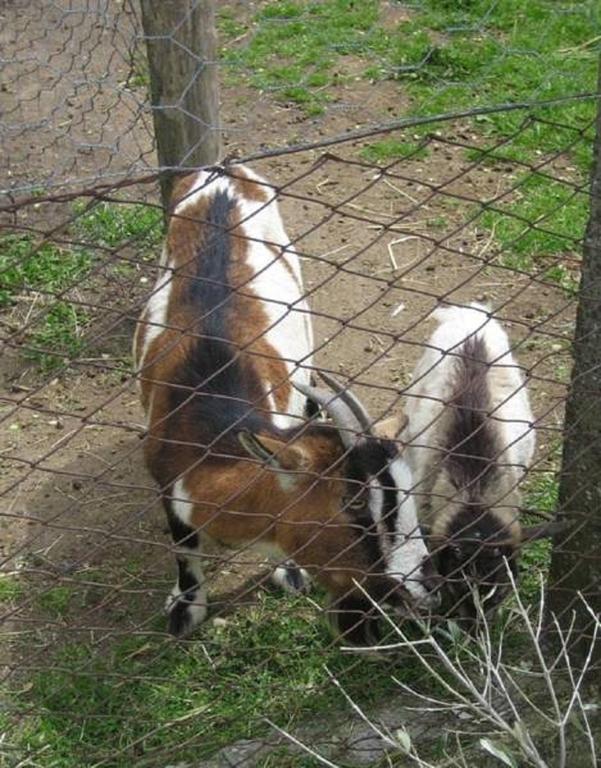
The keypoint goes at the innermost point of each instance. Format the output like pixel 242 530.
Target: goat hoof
pixel 186 612
pixel 291 578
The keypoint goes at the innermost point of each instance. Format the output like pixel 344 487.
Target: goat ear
pixel 390 428
pixel 543 531
pixel 277 453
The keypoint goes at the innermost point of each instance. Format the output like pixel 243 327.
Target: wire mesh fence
pixel 422 156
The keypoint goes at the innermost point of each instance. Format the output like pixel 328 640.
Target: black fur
pixel 477 541
pixel 370 458
pixel 180 622
pixel 211 289
pixel 471 442
pixel 182 534
pixel 356 621
pixel 212 390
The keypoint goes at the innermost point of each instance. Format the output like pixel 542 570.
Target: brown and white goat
pixel 470 441
pixel 223 351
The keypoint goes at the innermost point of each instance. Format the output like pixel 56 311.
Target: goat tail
pixel 472 441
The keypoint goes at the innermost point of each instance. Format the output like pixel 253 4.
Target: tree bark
pixel 181 43
pixel 576 558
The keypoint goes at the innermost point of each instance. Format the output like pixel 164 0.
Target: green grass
pixel 43 270
pixel 544 219
pixel 59 337
pixel 391 149
pixel 10 588
pixel 294 47
pixel 114 224
pixel 447 56
pixel 267 661
pixel 541 495
pixel 55 601
pixel 46 269
pixel 228 24
pixel 27 266
pixel 147 701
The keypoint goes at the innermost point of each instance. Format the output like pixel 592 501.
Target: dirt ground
pixel 380 254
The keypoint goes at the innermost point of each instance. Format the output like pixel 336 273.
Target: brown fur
pixel 248 188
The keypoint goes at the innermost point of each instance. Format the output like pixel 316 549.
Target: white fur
pixel 280 578
pixel 182 507
pixel 206 183
pixel 156 310
pixel 406 559
pixel 433 381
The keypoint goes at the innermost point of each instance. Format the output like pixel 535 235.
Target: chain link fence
pixel 423 155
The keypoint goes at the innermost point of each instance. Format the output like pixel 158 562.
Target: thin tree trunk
pixel 182 53
pixel 576 558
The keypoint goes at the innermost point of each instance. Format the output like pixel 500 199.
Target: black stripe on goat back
pixel 210 289
pixel 213 391
pixel 471 442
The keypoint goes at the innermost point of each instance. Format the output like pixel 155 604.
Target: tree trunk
pixel 182 56
pixel 576 558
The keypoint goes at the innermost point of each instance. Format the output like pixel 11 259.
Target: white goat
pixel 470 438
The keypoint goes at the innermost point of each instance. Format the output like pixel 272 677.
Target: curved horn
pixel 339 411
pixel 352 401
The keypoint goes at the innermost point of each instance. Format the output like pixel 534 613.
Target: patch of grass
pixel 392 149
pixel 228 25
pixel 26 266
pixel 55 601
pixel 542 495
pixel 113 224
pixel 191 699
pixel 448 56
pixel 46 269
pixel 544 219
pixel 59 336
pixel 503 157
pixel 139 75
pixel 295 45
pixel 10 588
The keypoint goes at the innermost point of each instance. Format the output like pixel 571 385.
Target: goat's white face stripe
pixel 405 557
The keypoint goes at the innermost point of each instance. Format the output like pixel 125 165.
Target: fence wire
pixel 389 227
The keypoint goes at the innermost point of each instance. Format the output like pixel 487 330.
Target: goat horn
pixel 345 420
pixel 352 401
